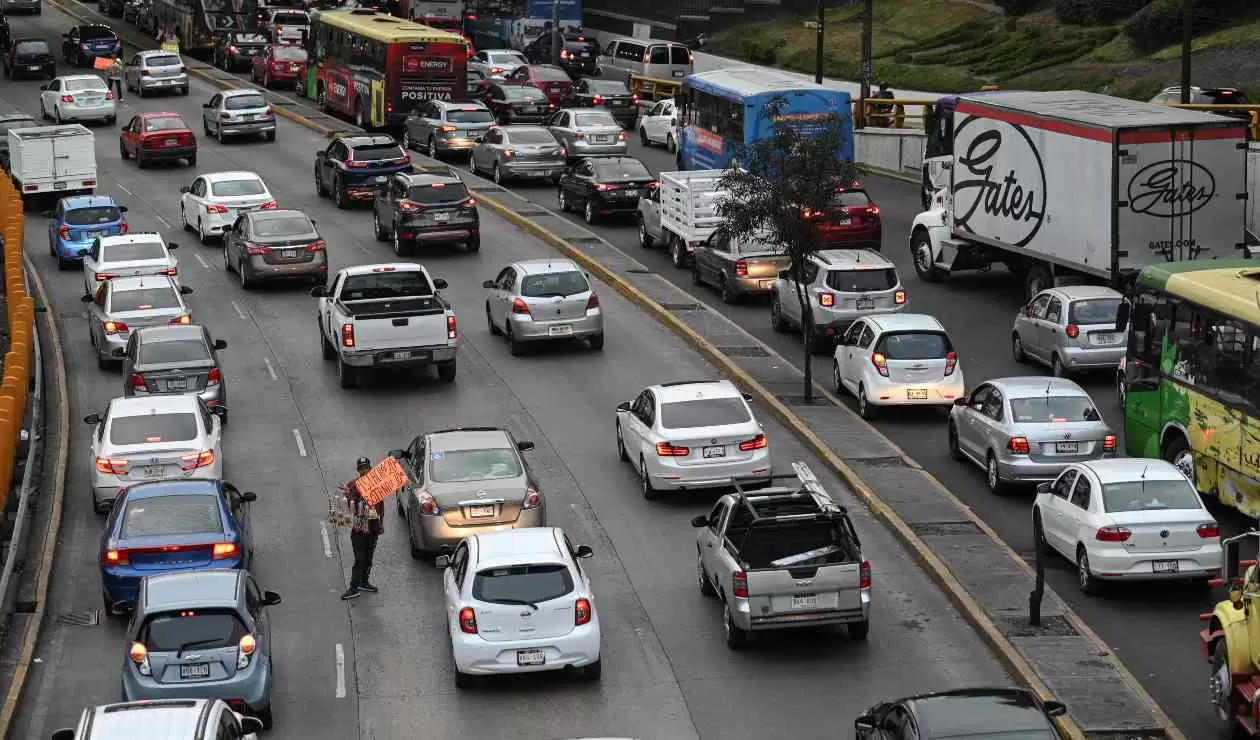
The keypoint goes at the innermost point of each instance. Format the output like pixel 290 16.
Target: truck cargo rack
pixel 807 489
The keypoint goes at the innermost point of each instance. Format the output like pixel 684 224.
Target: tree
pixel 782 191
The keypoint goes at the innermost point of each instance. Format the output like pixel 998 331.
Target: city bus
pixel 377 68
pixel 197 21
pixel 1190 383
pixel 721 110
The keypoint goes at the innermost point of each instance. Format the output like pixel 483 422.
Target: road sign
pixel 812 24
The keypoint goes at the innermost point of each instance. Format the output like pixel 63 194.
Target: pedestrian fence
pixel 16 370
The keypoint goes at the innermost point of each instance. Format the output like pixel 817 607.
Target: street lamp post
pixel 818 45
pixel 1187 36
pixel 557 38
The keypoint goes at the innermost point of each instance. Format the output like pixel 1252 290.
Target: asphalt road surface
pixel 380 666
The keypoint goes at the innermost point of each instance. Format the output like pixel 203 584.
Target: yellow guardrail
pixel 651 88
pixel 21 314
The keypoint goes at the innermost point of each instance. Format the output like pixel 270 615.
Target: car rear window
pixel 129 252
pixel 177 350
pixel 94 83
pixel 282 226
pixel 522 92
pixel 1094 311
pixel 530 136
pixel 229 188
pixel 459 466
pixel 852 199
pixel 469 115
pixel 377 285
pixel 291 18
pixel 550 75
pixel 96 32
pixel 658 55
pixel 144 299
pixel 191 514
pixel 522 584
pixel 290 53
pixel 607 87
pixel 200 629
pixel 1150 495
pixel 92 216
pixel 704 412
pixel 162 60
pixel 620 171
pixel 376 152
pixel 554 284
pixel 165 123
pixel 507 58
pixel 679 55
pixel 594 118
pixel 1053 409
pixel 31 47
pixel 861 281
pixel 915 345
pixel 151 428
pixel 243 102
pixel 436 193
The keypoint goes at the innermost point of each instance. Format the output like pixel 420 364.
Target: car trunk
pixel 601 134
pixel 197 665
pixel 916 371
pixel 830 581
pixel 537 152
pixel 148 464
pixel 83 233
pixel 101 45
pixel 1063 442
pixel 172 377
pixel 238 204
pixel 546 308
pixel 512 622
pixel 158 72
pixel 391 323
pixel 287 251
pixel 148 317
pixel 765 265
pixel 157 553
pixel 91 96
pixel 710 445
pixel 139 267
pixel 169 140
pixel 917 356
pixel 475 503
pixel 1180 524
pixel 439 214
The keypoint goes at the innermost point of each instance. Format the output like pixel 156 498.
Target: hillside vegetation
pixel 1122 47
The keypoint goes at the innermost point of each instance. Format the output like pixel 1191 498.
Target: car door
pixel 789 303
pixel 1051 327
pixel 861 355
pixel 1054 515
pixel 1077 517
pixel 487 150
pixel 1026 323
pixel 234 240
pixel 990 423
pixel 132 134
pixel 967 421
pixel 637 423
pixel 71 42
pixel 652 214
pixel 193 202
pixel 583 179
pixel 505 289
pixel 210 111
pixel 651 122
pixel 480 61
pixel 710 540
pixel 237 506
pixel 712 257
pixel 258 613
pixel 131 70
pixel 561 126
pixel 47 97
pixel 96 312
pixel 849 348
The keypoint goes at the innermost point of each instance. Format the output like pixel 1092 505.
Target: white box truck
pixel 682 213
pixel 52 160
pixel 1070 187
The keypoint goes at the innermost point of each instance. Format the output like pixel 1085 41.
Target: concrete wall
pixel 891 151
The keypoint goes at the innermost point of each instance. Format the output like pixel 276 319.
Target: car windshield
pixel 165 123
pixel 153 428
pixel 177 350
pixel 704 412
pixel 1094 311
pixel 851 199
pixel 290 18
pixel 192 629
pixel 522 584
pixel 914 345
pixel 96 32
pixel 376 152
pixel 547 74
pixel 374 285
pixel 469 115
pixel 594 118
pixel 861 281
pixel 622 170
pixel 31 47
pixel 282 226
pixel 521 92
pixel 156 515
pixel 290 53
pixel 144 299
pixel 92 216
pixel 130 252
pixel 1053 409
pixel 1149 495
pixel 441 192
pixel 554 284
pixel 458 466
pixel 84 83
pixel 607 87
pixel 531 136
pixel 229 188
pixel 243 102
pixel 162 60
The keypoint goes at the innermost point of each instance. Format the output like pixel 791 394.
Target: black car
pixel 29 57
pixel 577 56
pixel 235 50
pixel 11 121
pixel 600 186
pixel 414 209
pixel 353 167
pixel 612 95
pixel 84 43
pixel 1006 713
pixel 517 103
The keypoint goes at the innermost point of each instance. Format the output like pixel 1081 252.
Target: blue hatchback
pixel 77 222
pixel 171 526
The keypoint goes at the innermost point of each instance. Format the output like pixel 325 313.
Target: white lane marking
pixel 125 190
pixel 240 311
pixel 165 223
pixel 202 260
pixel 301 445
pixel 341 672
pixel 323 535
pixel 270 370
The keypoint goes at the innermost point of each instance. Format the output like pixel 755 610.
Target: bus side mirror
pixel 1122 315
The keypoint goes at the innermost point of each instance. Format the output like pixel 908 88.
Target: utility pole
pixel 818 46
pixel 1187 35
pixel 557 38
pixel 868 54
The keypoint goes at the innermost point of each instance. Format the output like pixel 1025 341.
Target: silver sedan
pixel 124 304
pixel 587 132
pixel 1070 329
pixel 1027 430
pixel 497 62
pixel 541 300
pixel 518 153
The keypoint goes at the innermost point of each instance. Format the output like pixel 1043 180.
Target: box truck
pixel 1075 187
pixel 57 160
pixel 681 213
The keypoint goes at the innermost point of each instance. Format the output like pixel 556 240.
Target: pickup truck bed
pixel 392 309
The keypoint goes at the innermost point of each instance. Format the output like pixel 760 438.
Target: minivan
pixel 659 60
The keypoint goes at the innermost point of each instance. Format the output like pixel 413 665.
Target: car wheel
pixel 515 346
pixel 472 163
pixel 1056 366
pixel 670 145
pixel 593 671
pixel 473 244
pixel 270 135
pixel 729 296
pixel 1121 389
pixel 122 151
pixel 417 552
pixel 643 139
pixel 1017 348
pixel 266 80
pixel 563 200
pixel 446 371
pixel 201 233
pixel 645 240
pixel 777 321
pixel 326 348
pixel 432 148
pixel 1039 534
pixel 955 450
pixel 649 491
pixel 227 260
pixel 497 174
pixel 464 680
pixel 408 143
pixel 400 246
pixel 218 133
pixel 320 190
pixel 736 638
pixel 183 218
pixel 588 212
pixel 677 252
pixel 339 196
pixel 706 587
pixel 347 376
pixel 205 127
pixel 381 234
pixel 621 445
pixel 993 475
pixel 1084 578
pixel 43 114
pixel 242 269
pixel 858 630
pixel 192 160
pixel 866 409
pixel 696 277
pixel 494 329
pixel 836 384
pixel 57 114
pixel 596 342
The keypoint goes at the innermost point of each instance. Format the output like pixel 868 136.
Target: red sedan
pixel 552 80
pixel 853 220
pixel 278 63
pixel 151 137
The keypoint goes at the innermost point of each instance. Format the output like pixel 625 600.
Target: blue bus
pixel 720 110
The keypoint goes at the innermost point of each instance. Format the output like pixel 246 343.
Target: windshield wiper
pixel 195 643
pixel 518 602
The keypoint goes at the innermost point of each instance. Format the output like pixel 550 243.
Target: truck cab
pixel 1231 642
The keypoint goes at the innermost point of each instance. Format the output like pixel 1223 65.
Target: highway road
pixel 380 666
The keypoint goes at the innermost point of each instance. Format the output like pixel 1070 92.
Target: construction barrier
pixel 653 89
pixel 20 311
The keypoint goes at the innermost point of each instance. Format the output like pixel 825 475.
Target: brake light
pixel 137 381
pixel 665 449
pixel 827 300
pixel 519 307
pixel 428 504
pixel 347 335
pixel 109 95
pixel 741 268
pixel 622 136
pixel 82 44
pixel 117 557
pixel 103 276
pixel 216 208
pixel 604 187
pixel 1209 531
pixel 564 54
pixel 64 233
pixel 634 99
pixel 214 377
pixel 451 331
pixel 497 71
pixel 739 584
pixel 448 129
pixel 112 465
pixel 113 327
pixel 194 460
pixel 1113 534
pixel 319 245
pixel 181 320
pixel 232 49
pixel 951 362
pixel 564 152
pixel 1109 442
pixel 592 302
pixel 760 442
pixel 270 205
pixel 409 206
pixel 581 612
pixel 355 165
pixel 468 621
pixel 254 249
pixel 899 297
pixel 598 100
pixel 533 499
pixel 1073 331
pixel 122 228
pixel 864 575
pixel 138 651
pixel 578 134
pixel 67 98
pixel 881 363
pixel 247 646
pixel 1018 445
pixel 470 203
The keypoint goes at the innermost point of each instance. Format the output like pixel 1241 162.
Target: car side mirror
pixel 1055 708
pixel 700 521
pixel 319 291
pixel 43 87
pixel 185 290
pixel 480 139
pixel 119 352
pixel 960 401
pixel 1043 487
pixel 399 454
pixel 525 445
pixel 172 245
pixel 270 598
pixel 184 189
pixel 220 344
pixel 487 284
pixel 219 411
pixel 623 406
pixel 583 551
pixel 249 497
pixel 442 561
pixel 251 725
pixel 439 283
pixel 1122 315
pixel 87 298
pixel 122 209
pixel 205 105
pixel 92 419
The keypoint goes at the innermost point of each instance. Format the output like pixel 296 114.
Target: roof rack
pixel 674 383
pixel 808 487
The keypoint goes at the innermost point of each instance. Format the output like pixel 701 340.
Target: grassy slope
pixel 959 45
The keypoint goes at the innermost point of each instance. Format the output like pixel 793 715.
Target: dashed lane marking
pixel 323 536
pixel 341 672
pixel 271 370
pixel 301 445
pixel 202 260
pixel 239 311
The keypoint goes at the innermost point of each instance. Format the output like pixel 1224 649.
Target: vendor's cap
pixel 363 464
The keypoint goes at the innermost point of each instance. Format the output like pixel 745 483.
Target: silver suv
pixel 151 71
pixel 841 286
pixel 442 127
pixel 163 719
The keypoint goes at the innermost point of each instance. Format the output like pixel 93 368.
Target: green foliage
pixel 1159 24
pixel 1017 7
pixel 757 46
pixel 1096 12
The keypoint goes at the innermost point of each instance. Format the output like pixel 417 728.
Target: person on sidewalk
pixel 116 77
pixel 367 525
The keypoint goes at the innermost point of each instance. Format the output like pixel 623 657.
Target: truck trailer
pixel 1073 187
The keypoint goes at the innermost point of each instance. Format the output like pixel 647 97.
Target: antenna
pixel 1143 489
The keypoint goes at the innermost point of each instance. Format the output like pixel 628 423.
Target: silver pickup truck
pixel 783 557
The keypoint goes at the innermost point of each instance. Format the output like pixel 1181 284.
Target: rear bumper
pixel 741 615
pixel 250 127
pixel 529 330
pixel 71 112
pixel 1024 470
pixel 164 83
pixel 390 358
pixel 259 268
pixel 433 532
pixel 252 686
pixel 476 655
pixel 1075 358
pixel 667 475
pixel 752 285
pixel 1115 564
pixel 34 68
pixel 72 251
pixel 443 234
pixel 530 170
pixel 170 153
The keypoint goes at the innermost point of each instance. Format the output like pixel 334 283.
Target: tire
pixel 381 234
pixel 431 148
pixel 347 376
pixel 836 383
pixel 183 217
pixel 1017 349
pixel 218 133
pixel 677 252
pixel 1056 366
pixel 696 278
pixel 593 671
pixel 407 143
pixel 140 162
pixel 446 371
pixel 227 259
pixel 649 491
pixel 736 638
pixel 865 409
pixel 266 718
pixel 1221 686
pixel 417 552
pixel 1039 534
pixel 563 200
pixel 1177 452
pixel 320 190
pixel 201 234
pixel 473 245
pixel 140 91
pixel 401 248
pixel 596 342
pixel 1039 278
pixel 588 213
pixel 192 161
pixel 464 680
pixel 924 259
pixel 515 346
pixel 777 320
pixel 1084 578
pixel 621 445
pixel 706 587
pixel 993 475
pixel 496 174
pixel 494 330
pixel 339 196
pixel 729 295
pixel 645 240
pixel 270 135
pixel 671 146
pixel 329 352
pixel 955 450
pixel 643 139
pixel 858 630
pixel 57 115
pixel 205 127
pixel 122 151
pixel 247 283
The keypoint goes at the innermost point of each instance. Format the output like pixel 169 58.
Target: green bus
pixel 1190 384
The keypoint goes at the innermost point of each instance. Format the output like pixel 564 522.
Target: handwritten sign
pixel 386 478
pixel 103 64
pixel 171 46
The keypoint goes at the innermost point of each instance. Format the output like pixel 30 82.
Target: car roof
pixel 238 92
pixel 511 545
pixel 1078 292
pixel 1119 469
pixel 1038 385
pixel 969 712
pixel 451 440
pixel 843 259
pixel 145 53
pixel 197 589
pixel 546 266
pixel 905 322
pixel 171 333
pixel 158 403
pixel 66 78
pixel 131 237
pixel 364 139
pixel 160 113
pixel 429 178
pixel 157 717
pixel 457 105
pixel 230 175
pixel 139 282
pixel 173 487
pixel 695 389
pixel 87 201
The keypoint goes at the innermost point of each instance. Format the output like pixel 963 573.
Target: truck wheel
pixel 1221 684
pixel 645 239
pixel 347 375
pixel 736 638
pixel 925 259
pixel 330 352
pixel 706 588
pixel 858 630
pixel 446 371
pixel 1039 278
pixel 677 252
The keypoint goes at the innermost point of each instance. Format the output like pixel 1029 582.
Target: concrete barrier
pixel 888 151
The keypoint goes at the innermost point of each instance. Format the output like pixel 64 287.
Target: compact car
pixel 154 71
pixel 28 57
pixel 897 360
pixel 738 268
pixel 1070 329
pixel 235 50
pixel 603 186
pixel 216 199
pixel 552 80
pixel 443 126
pixel 612 95
pixel 542 300
pixel 79 220
pixel 519 153
pixel 588 132
pixel 275 245
pixel 841 285
pixel 154 137
pixel 279 63
pixel 77 98
pixel 417 210
pixel 240 112
pixel 186 719
pixel 497 62
pixel 962 713
pixel 123 304
pixel 659 125
pixel 353 167
pixel 516 103
pixel 175 359
pixel 128 255
pixel 82 44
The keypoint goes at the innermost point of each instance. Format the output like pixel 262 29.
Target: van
pixel 659 60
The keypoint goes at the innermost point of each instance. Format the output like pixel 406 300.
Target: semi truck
pixel 1073 187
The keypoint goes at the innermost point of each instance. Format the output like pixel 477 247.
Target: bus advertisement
pixel 721 111
pixel 377 68
pixel 197 21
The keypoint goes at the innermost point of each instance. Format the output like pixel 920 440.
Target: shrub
pixel 1159 24
pixel 758 47
pixel 1096 12
pixel 1017 7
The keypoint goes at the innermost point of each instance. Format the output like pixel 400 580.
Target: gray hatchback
pixel 442 127
pixel 1070 329
pixel 238 113
pixel 174 359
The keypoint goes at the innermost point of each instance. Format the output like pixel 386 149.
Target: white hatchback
pixel 214 200
pixel 126 255
pixel 518 602
pixel 897 360
pixel 659 125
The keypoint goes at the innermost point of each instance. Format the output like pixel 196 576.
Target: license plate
pixel 59 186
pixel 195 670
pixel 480 512
pixel 602 139
pixel 766 284
pixel 916 394
pixel 96 233
pixel 1106 338
pixel 170 142
pixel 679 73
pixel 805 601
pixel 401 355
pixel 1067 448
pixel 532 656
pixel 441 217
pixel 380 178
pixel 841 220
pixel 154 471
pixel 1165 566
pixel 562 330
pixel 586 55
pixel 34 68
pixel 714 451
pixel 290 253
pixel 177 384
pixel 865 303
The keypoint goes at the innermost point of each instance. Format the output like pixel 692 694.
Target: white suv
pixel 163 719
pixel 841 285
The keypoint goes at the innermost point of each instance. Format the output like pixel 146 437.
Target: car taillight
pixel 519 307
pixel 760 442
pixel 247 646
pixel 1073 331
pixel 194 460
pixel 137 382
pixel 214 377
pixel 270 205
pixel 145 73
pixel 468 621
pixel 122 227
pixel 64 233
pixel 103 276
pixel 827 300
pixel 112 465
pixel 116 557
pixel 1113 534
pixel 864 575
pixel 598 100
pixel 216 208
pixel 881 363
pixel 448 129
pixel 739 584
pixel 604 187
pixel 665 449
pixel 82 44
pixel 109 95
pixel 319 245
pixel 224 550
pixel 355 165
pixel 469 203
pixel 232 49
pixel 533 499
pixel 428 505
pixel 113 327
pixel 172 271
pixel 1109 442
pixel 577 135
pixel 741 269
pixel 67 98
pixel 451 331
pixel 564 54
pixel 1209 531
pixel 409 206
pixel 634 99
pixel 899 297
pixel 592 302
pixel 255 249
pixel 1018 445
pixel 181 320
pixel 622 136
pixel 951 362
pixel 347 335
pixel 581 612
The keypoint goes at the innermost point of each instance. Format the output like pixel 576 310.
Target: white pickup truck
pixel 681 213
pixel 52 159
pixel 387 316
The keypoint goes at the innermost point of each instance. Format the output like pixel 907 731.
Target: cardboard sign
pixel 171 46
pixel 387 477
pixel 103 64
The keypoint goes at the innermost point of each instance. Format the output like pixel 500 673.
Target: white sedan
pixel 517 602
pixel 77 98
pixel 1127 519
pixel 214 200
pixel 659 125
pixel 125 255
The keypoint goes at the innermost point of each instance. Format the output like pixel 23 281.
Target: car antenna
pixel 1144 469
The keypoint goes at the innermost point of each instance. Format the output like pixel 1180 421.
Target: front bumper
pixel 434 532
pixel 1076 358
pixel 400 357
pixel 532 330
pixel 668 475
pixel 251 686
pixel 476 655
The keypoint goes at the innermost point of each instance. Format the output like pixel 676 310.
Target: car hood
pixel 448 494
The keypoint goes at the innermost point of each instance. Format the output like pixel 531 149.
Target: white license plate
pixel 841 220
pixel 714 451
pixel 290 253
pixel 59 186
pixel 177 384
pixel 1067 448
pixel 170 142
pixel 1106 339
pixel 916 394
pixel 34 68
pixel 96 233
pixel 380 178
pixel 602 139
pixel 441 217
pixel 863 303
pixel 195 670
pixel 679 73
pixel 533 656
pixel 401 355
pixel 766 284
pixel 805 601
pixel 561 330
pixel 1165 566
pixel 480 512
pixel 154 471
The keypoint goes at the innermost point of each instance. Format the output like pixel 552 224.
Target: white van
pixel 660 60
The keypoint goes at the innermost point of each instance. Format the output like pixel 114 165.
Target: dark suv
pixel 82 44
pixel 426 209
pixel 1207 96
pixel 354 166
pixel 577 56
